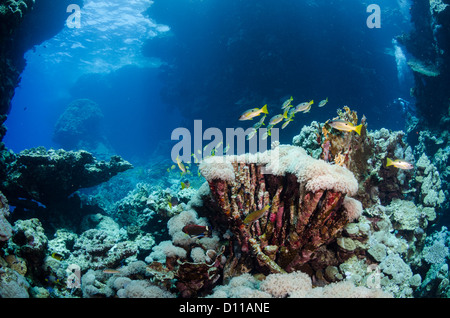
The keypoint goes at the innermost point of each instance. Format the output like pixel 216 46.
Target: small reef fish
pixel 181 165
pixel 291 113
pixel 171 168
pixel 57 256
pixel 52 279
pixel 251 134
pixel 304 107
pixel 343 125
pixel 249 114
pixel 398 163
pixel 276 119
pixel 227 148
pixel 195 158
pixel 111 271
pixel 195 230
pixel 256 215
pixel 287 121
pixel 185 185
pixel 323 102
pixel 260 122
pixel 287 103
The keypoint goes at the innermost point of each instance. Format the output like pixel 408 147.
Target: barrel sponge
pixel 315 173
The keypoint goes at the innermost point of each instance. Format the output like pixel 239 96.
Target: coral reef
pixel 291 285
pixel 49 176
pixel 307 198
pixel 5 227
pixel 12 283
pixel 364 155
pixel 195 263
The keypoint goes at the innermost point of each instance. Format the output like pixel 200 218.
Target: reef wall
pixel 429 45
pixel 25 23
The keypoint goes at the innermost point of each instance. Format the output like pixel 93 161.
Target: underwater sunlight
pixel 211 149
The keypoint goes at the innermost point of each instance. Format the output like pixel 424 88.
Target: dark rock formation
pixel 51 176
pixel 25 23
pixel 429 44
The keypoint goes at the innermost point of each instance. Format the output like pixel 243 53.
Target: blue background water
pixel 154 67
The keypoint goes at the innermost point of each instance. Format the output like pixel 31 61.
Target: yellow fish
pixel 323 102
pixel 287 103
pixel 260 122
pixel 287 121
pixel 304 107
pixel 398 163
pixel 185 185
pixel 249 114
pixel 256 215
pixel 277 118
pixel 57 256
pixel 343 125
pixel 181 165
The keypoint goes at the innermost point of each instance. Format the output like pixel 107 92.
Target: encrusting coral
pixel 307 198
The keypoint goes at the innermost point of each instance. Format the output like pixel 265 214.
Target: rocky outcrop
pixel 46 177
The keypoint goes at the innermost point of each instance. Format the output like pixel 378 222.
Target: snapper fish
pixel 256 215
pixel 260 123
pixel 343 125
pixel 254 112
pixel 398 163
pixel 287 103
pixel 323 102
pixel 251 134
pixel 286 122
pixel 277 118
pixel 304 107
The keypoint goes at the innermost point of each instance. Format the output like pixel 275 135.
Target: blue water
pixel 135 73
pixel 152 68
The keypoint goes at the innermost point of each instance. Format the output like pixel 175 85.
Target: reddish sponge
pixel 307 198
